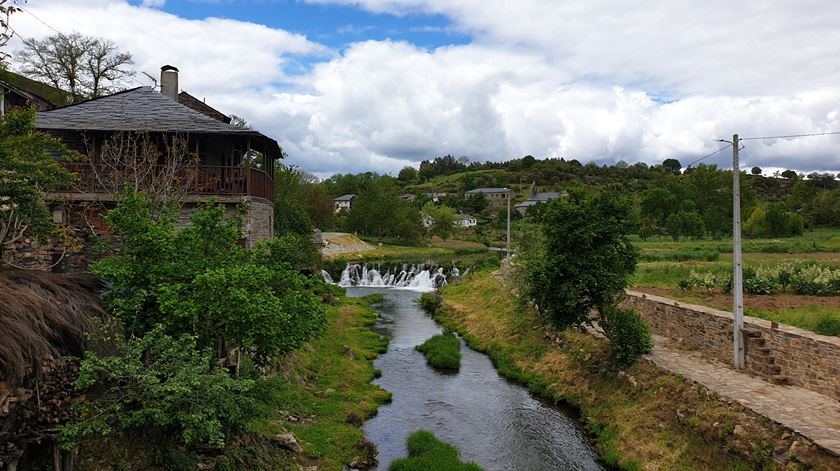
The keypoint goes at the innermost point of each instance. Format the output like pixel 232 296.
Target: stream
pixel 491 421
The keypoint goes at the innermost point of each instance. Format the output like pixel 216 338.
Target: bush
pixel 629 336
pixel 427 453
pixel 829 326
pixel 706 280
pixel 757 281
pixel 162 384
pixel 430 302
pixel 816 280
pixel 442 351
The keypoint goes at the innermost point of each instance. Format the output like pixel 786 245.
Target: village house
pixel 465 220
pixel 536 197
pixel 344 202
pixel 495 196
pixel 17 91
pixel 228 164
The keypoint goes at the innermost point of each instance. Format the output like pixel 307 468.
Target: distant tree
pixel 685 223
pixel 7 8
pixel 475 203
pixel 83 66
pixel 789 174
pixel 408 174
pixel 238 121
pixel 378 211
pixel 657 204
pixel 319 205
pixel 756 171
pixel 822 180
pixel 528 161
pixel 442 220
pixel 28 168
pixel 672 166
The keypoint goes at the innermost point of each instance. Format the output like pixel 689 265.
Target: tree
pixel 28 169
pixel 586 257
pixel 685 223
pixel 83 66
pixel 756 171
pixel 789 174
pixel 672 166
pixel 442 219
pixel 408 174
pixel 6 12
pixel 657 204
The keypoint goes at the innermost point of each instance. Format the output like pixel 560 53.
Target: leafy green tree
pixel 408 174
pixel 197 280
pixel 28 169
pixel 585 259
pixel 672 166
pixel 686 224
pixel 789 174
pixel 756 171
pixel 441 218
pixel 657 204
pixel 378 211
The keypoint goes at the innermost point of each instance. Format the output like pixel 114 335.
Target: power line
pixel 791 136
pixel 709 155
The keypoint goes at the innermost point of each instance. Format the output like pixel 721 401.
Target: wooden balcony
pixel 204 180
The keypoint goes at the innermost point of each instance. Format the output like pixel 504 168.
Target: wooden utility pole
pixel 509 196
pixel 738 276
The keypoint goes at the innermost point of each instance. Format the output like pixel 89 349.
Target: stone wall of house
pixel 258 221
pixel 780 353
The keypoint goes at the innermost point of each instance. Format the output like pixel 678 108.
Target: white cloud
pixel 572 79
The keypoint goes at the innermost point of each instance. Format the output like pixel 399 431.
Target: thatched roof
pixel 42 315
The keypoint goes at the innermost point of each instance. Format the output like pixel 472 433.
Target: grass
pixel 427 453
pixel 442 351
pixel 402 252
pixel 644 418
pixel 322 396
pixel 819 240
pixel 822 320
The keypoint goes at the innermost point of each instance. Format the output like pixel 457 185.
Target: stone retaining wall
pixel 778 352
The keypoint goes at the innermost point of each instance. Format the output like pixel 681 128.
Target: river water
pixel 491 421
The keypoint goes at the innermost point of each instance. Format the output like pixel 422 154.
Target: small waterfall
pixel 420 278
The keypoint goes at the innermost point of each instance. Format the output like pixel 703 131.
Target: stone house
pixel 229 164
pixel 465 220
pixel 537 197
pixel 495 196
pixel 344 202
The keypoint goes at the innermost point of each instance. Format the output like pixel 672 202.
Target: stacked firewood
pixel 30 414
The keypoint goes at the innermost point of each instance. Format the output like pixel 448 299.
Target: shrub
pixel 430 302
pixel 629 336
pixel 816 280
pixel 757 281
pixel 162 384
pixel 706 280
pixel 828 326
pixel 426 452
pixel 442 351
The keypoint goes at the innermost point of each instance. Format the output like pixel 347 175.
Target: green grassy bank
pixel 442 351
pixel 642 418
pixel 321 394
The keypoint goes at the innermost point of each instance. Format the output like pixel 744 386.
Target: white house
pixel 344 202
pixel 465 220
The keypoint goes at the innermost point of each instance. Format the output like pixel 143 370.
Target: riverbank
pixel 644 417
pixel 320 396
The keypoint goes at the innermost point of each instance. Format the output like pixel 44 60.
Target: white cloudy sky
pixel 356 85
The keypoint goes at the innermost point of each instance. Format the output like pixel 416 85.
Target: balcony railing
pixel 209 180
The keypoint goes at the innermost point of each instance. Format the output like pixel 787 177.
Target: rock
pixel 294 418
pixel 805 454
pixel 206 465
pixel 739 431
pixel 780 454
pixel 287 441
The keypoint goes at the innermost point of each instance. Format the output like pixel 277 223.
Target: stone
pixel 739 431
pixel 205 465
pixel 287 441
pixel 805 454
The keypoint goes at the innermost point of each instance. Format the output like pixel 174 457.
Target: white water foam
pixel 419 278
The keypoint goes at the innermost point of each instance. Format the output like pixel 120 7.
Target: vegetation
pixel 28 168
pixel 441 220
pixel 426 452
pixel 190 309
pixel 442 351
pixel 580 261
pixel 83 66
pixel 643 418
pixel 430 302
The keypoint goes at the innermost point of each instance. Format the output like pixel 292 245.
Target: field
pixel 664 263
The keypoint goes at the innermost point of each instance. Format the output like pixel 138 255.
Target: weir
pixel 426 277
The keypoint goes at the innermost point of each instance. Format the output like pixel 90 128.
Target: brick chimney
pixel 169 81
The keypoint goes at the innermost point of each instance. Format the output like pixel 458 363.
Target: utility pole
pixel 738 282
pixel 509 196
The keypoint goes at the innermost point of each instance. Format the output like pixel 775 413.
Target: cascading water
pixel 416 277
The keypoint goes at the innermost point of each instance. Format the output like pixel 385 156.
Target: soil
pixel 724 301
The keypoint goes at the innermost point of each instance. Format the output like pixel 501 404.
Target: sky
pixel 375 85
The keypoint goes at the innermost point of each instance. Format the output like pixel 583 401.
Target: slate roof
pixel 51 95
pixel 141 109
pixel 490 190
pixel 545 196
pixel 347 197
pixel 194 103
